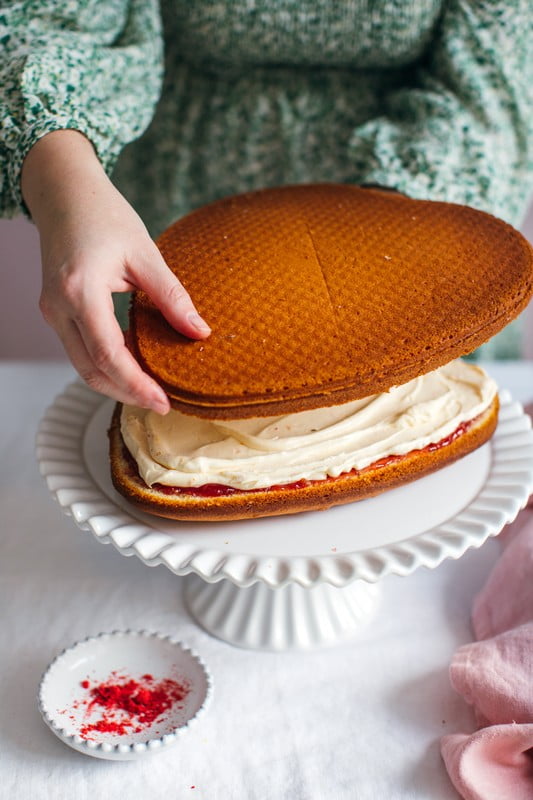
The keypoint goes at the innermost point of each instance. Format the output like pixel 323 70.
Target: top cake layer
pixel 322 294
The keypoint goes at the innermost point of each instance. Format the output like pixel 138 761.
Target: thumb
pixel 170 296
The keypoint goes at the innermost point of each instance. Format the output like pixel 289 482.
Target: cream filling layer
pixel 180 450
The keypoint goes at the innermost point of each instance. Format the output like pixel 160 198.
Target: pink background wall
pixel 23 332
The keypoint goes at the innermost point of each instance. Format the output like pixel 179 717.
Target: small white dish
pixel 71 705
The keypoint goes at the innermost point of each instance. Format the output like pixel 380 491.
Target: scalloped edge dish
pixel 60 451
pixel 124 649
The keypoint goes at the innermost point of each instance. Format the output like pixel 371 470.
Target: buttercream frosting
pixel 181 450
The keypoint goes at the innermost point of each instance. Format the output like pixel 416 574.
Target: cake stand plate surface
pixel 296 581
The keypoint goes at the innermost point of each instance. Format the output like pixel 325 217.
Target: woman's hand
pixel 92 244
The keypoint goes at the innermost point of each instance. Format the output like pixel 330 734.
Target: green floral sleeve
pixel 89 65
pixel 463 130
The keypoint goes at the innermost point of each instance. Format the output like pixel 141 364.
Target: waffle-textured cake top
pixel 320 294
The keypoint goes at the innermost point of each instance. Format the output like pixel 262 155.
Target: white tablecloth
pixel 358 722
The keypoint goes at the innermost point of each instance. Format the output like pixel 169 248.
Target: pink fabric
pixel 495 675
pixel 491 764
pixel 506 600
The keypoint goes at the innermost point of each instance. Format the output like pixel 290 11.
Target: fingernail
pixel 159 405
pixel 160 409
pixel 197 322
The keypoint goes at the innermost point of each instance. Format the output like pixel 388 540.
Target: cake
pixel 324 300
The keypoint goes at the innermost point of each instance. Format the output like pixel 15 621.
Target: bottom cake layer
pixel 216 503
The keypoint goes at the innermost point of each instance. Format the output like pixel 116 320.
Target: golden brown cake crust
pixel 321 294
pixel 317 495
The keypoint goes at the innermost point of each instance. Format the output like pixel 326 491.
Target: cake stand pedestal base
pixel 287 618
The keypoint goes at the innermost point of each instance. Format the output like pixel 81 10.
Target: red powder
pixel 129 705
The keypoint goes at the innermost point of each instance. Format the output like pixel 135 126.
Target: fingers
pixel 98 353
pixel 174 302
pixel 93 244
pixel 77 302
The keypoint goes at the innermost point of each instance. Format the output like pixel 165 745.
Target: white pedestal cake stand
pixel 297 581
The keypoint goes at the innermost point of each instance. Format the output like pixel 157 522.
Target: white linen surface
pixel 360 721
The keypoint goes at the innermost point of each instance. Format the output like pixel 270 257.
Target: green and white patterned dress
pixel 201 98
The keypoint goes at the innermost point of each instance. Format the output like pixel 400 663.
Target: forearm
pixel 64 69
pixel 60 174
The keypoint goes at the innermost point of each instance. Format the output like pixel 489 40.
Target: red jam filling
pixel 220 490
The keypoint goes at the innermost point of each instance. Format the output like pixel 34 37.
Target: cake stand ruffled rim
pixel 60 454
